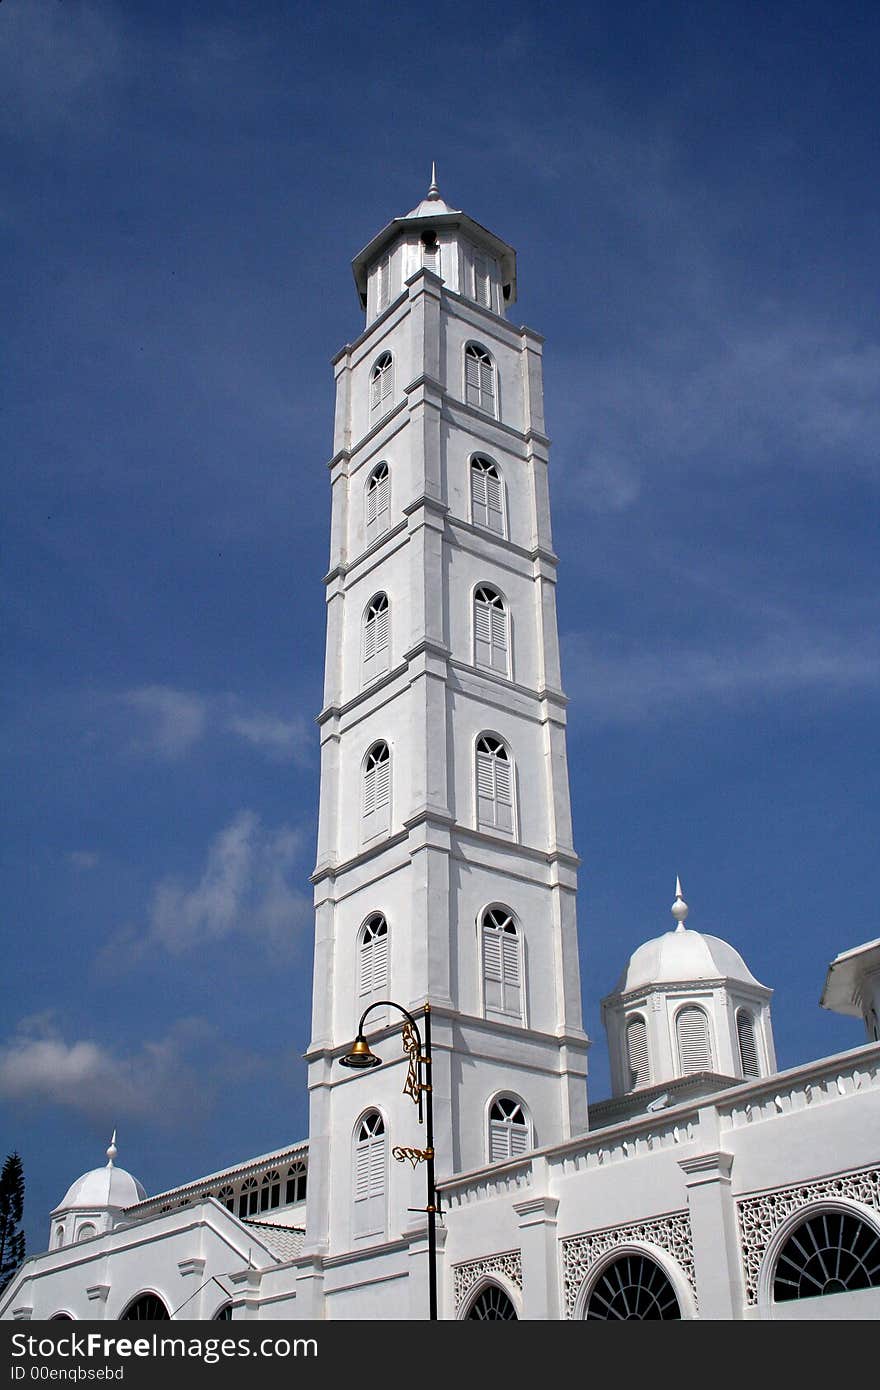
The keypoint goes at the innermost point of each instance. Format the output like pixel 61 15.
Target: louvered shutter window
pixel 381 385
pixel 373 965
pixel 502 974
pixel 378 502
pixel 509 1130
pixel 637 1053
pixel 490 630
pixel 377 791
pixel 748 1047
pixel 479 378
pixel 383 284
pixel 369 1176
pixel 377 644
pixel 482 282
pixel 486 495
pixel 494 785
pixel 692 1031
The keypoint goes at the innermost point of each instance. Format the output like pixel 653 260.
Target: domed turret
pixel 686 1004
pixel 92 1204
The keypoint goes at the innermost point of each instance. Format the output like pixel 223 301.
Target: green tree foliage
pixel 11 1207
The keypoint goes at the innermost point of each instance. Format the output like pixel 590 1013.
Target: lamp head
pixel 360 1056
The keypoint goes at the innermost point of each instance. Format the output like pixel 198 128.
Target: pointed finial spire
pixel 112 1151
pixel 679 908
pixel 434 189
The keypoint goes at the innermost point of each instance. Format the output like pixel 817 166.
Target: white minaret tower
pixel 445 869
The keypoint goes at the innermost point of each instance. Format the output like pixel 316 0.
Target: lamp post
pixel 360 1058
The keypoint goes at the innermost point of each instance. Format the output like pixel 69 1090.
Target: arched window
pixel 692 1033
pixel 377 638
pixel 148 1308
pixel 381 386
pixel 632 1287
pixel 494 785
pixel 509 1129
pixel 226 1197
pixel 377 791
pixel 270 1191
pixel 369 1175
pixel 373 955
pixel 249 1197
pixel 490 630
pixel 223 1313
pixel 829 1252
pixel 637 1053
pixel 491 1304
pixel 487 494
pixel 297 1177
pixel 86 1231
pixel 479 378
pixel 748 1043
pixel 378 501
pixel 502 963
pixel 59 1237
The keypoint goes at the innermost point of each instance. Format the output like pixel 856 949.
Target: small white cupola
pixel 470 260
pixel 94 1203
pixel 686 1005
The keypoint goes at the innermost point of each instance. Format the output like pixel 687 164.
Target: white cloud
pixel 639 686
pixel 83 858
pixel 284 739
pixel 243 889
pixel 169 723
pixel 172 720
pixel 159 1082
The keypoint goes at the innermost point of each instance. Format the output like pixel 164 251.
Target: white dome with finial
pixel 681 956
pixel 103 1188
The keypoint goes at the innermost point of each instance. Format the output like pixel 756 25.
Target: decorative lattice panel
pixel 760 1217
pixel 469 1274
pixel 671 1234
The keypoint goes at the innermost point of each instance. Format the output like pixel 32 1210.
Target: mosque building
pixel 709 1185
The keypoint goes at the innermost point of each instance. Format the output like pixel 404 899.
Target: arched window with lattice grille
pixel 502 964
pixel 510 1129
pixel 491 631
pixel 487 494
pixel 480 386
pixel 494 779
pixel 376 811
pixel 377 638
pixel 369 1175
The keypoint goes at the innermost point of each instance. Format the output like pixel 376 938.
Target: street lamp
pixel 360 1058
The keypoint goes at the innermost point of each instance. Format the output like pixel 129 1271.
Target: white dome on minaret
pixel 91 1205
pixel 686 1004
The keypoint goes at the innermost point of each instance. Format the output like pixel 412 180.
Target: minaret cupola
pixel 686 1005
pixel 470 260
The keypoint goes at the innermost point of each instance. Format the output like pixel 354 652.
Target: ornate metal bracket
pixel 415 1156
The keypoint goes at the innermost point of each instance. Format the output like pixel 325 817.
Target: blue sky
pixel 692 190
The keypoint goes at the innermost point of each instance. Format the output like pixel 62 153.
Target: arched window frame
pixel 502 948
pixel 372 957
pixel 747 1026
pixel 376 791
pixel 377 502
pixel 494 784
pixel 672 1270
pixel 223 1313
pixel 685 1068
pixel 270 1191
pixel 787 1228
pixel 85 1231
pixel 487 494
pixel 226 1196
pixel 490 1287
pixel 297 1182
pixel 376 646
pixel 381 387
pixel 369 1171
pixel 491 621
pixel 508 1137
pixel 480 379
pixel 638 1068
pixel 145 1307
pixel 59 1237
